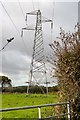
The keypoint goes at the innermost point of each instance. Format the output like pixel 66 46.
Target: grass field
pixel 18 100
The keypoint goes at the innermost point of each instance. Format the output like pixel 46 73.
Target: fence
pixel 39 109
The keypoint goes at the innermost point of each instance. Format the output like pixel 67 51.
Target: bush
pixel 66 51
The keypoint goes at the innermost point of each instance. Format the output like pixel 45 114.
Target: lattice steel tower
pixel 37 69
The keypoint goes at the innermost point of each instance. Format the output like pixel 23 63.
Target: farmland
pixel 19 100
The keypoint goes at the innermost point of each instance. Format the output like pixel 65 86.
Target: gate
pixel 68 114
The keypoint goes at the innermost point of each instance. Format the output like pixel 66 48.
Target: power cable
pixel 9 17
pixel 38 4
pixel 53 10
pixel 13 23
pixel 33 5
pixel 21 10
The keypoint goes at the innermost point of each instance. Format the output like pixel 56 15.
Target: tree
pixel 66 63
pixel 4 81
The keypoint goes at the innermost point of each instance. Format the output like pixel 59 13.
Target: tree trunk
pixel 2 87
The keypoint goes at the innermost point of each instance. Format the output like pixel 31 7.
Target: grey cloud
pixel 66 14
pixel 17 55
pixel 14 62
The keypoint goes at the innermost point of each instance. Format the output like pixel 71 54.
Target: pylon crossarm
pixel 32 13
pixel 28 28
pixel 46 21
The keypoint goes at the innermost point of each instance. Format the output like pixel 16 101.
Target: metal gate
pixel 68 114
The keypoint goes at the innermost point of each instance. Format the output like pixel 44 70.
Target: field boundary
pixel 39 109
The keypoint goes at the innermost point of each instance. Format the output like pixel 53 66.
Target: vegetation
pixel 33 89
pixel 4 81
pixel 18 100
pixel 66 63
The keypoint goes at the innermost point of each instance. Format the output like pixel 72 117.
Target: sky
pixel 15 59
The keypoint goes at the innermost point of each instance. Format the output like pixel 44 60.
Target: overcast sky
pixel 16 57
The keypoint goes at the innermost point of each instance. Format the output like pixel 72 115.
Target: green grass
pixel 19 100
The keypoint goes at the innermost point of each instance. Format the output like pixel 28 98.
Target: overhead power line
pixel 33 5
pixel 9 17
pixel 38 4
pixel 21 10
pixel 13 23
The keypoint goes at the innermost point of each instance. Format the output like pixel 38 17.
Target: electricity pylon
pixel 37 69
